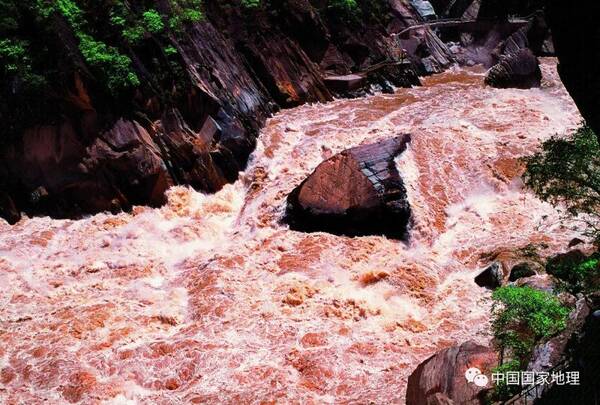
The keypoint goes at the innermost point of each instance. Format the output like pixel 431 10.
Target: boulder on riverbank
pixel 441 378
pixel 520 70
pixel 517 66
pixel 356 192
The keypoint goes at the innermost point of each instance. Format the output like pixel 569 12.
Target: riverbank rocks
pixel 521 270
pixel 356 192
pixel 441 378
pixel 491 277
pixel 517 66
pixel 548 354
pixel 519 70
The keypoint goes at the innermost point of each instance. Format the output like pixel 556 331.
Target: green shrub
pixel 522 317
pixel 579 275
pixel 153 21
pixel 566 172
pixel 348 6
pixel 115 67
pixel 250 3
pixel 133 34
pixel 184 11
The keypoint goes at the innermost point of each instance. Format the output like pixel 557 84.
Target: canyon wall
pixel 201 90
pixel 74 148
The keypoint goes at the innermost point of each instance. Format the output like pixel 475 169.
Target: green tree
pixel 522 317
pixel 566 172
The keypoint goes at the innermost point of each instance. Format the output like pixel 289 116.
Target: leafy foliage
pixel 348 6
pixel 250 3
pixel 153 21
pixel 580 275
pixel 523 316
pixel 567 172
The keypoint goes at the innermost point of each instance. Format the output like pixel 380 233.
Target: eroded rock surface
pixel 356 192
pixel 441 378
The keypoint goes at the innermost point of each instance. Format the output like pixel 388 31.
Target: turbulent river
pixel 211 299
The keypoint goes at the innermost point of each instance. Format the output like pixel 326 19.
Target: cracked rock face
pixel 356 192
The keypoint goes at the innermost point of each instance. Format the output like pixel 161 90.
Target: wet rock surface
pixel 441 378
pixel 356 192
pixel 520 70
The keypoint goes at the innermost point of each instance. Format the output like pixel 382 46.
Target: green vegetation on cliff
pixel 576 274
pixel 566 173
pixel 522 317
pixel 118 46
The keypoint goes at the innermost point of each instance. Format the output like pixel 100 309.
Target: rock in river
pixel 356 192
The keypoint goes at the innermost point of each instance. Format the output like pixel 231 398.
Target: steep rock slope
pixel 106 107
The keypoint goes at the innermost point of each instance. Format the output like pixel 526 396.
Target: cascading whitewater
pixel 211 299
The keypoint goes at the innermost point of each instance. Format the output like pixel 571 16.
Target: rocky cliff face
pixel 202 96
pixel 200 78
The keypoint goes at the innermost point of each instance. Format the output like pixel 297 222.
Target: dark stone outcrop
pixel 575 31
pixel 568 260
pixel 356 192
pixel 521 270
pixel 491 277
pixel 517 65
pixel 441 378
pixel 583 355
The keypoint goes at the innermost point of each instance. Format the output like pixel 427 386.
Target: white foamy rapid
pixel 211 300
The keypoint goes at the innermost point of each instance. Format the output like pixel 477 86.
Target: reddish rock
pixel 356 192
pixel 441 378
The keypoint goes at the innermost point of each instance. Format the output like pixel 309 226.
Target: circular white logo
pixel 471 373
pixel 481 380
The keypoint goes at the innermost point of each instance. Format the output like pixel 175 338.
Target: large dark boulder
pixel 491 277
pixel 522 270
pixel 519 70
pixel 517 66
pixel 441 378
pixel 356 192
